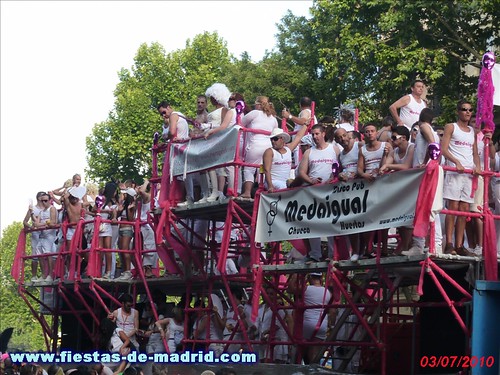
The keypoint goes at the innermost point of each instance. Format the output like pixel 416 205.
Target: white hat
pixel 278 132
pixel 131 192
pixel 219 92
pixel 78 191
pixel 319 274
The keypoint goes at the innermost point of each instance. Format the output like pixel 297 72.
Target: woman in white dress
pixel 261 118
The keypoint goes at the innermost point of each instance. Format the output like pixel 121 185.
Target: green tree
pixel 368 51
pixel 119 147
pixel 15 313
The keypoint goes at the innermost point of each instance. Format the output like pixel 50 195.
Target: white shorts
pixel 458 187
pixel 70 233
pixel 478 196
pixel 46 244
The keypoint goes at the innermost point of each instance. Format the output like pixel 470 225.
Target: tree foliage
pixel 118 148
pixel 368 52
pixel 14 312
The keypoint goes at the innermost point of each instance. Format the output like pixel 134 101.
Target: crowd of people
pixel 303 156
pixel 295 158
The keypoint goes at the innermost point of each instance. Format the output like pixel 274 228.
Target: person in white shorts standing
pixel 459 147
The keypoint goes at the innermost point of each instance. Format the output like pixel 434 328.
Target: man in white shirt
pixel 409 106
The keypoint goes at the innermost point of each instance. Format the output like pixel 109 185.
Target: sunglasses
pixel 44 200
pixel 396 137
pixel 232 98
pixel 470 110
pixel 163 113
pixel 275 139
pixel 414 130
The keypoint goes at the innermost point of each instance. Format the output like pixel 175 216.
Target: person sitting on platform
pixel 277 160
pixel 262 118
pixel 127 318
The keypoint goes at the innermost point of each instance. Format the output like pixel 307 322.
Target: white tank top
pixel 44 216
pixel 307 114
pixel 349 161
pixel 320 162
pixel 421 145
pixel 282 163
pixel 461 144
pixel 373 158
pixel 182 127
pixel 410 113
pixel 397 159
pixel 127 323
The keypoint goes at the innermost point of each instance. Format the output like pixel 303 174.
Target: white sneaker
pixel 354 258
pixel 202 200
pixel 478 250
pixel 414 250
pixel 213 197
pixel 107 275
pixel 49 279
pixel 187 202
pixel 126 275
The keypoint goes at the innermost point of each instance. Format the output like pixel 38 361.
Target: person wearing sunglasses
pixel 459 147
pixel 47 219
pixel 409 106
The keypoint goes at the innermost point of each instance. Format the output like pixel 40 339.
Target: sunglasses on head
pixel 470 110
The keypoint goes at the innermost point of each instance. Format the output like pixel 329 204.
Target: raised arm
pixel 393 108
pixel 298 137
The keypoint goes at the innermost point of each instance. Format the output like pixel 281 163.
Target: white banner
pixel 201 153
pixel 339 209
